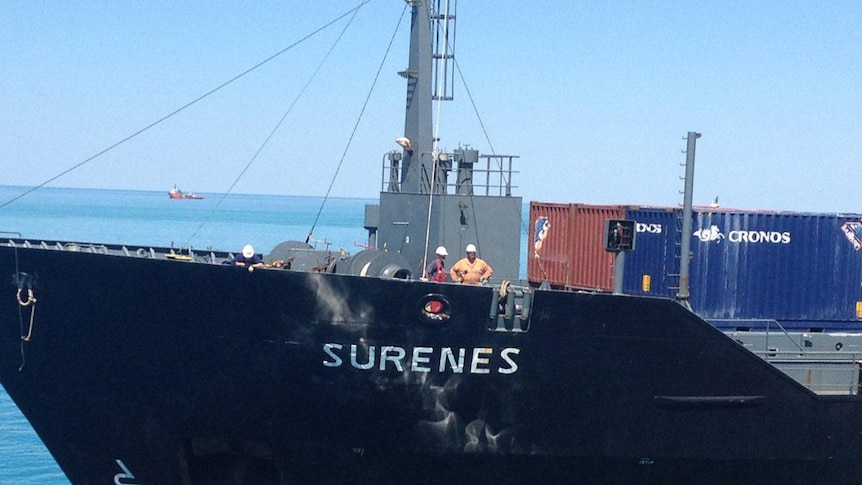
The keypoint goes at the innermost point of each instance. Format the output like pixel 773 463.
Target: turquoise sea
pixel 151 218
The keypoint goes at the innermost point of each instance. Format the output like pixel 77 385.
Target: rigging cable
pixel 356 125
pixel 277 125
pixel 435 153
pixel 182 108
pixel 524 225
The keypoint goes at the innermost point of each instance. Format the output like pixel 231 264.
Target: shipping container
pixel 749 269
pixel 566 249
pixel 653 267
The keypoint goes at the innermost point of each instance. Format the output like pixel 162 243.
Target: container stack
pixel 749 268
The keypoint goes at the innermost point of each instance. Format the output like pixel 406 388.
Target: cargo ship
pixel 135 366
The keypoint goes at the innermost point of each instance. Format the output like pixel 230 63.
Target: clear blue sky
pixel 595 97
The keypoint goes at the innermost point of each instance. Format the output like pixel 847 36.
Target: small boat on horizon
pixel 176 193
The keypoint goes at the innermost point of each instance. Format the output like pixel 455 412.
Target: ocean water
pixel 151 218
pixel 140 217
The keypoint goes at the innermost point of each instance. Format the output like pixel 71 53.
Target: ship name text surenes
pixel 457 360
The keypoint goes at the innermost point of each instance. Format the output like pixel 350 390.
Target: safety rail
pixel 771 327
pixel 207 256
pixel 496 170
pixel 833 373
pixel 824 363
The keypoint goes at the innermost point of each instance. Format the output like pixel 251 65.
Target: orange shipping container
pixel 570 254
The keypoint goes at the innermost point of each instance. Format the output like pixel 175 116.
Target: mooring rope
pixel 23 280
pixel 31 299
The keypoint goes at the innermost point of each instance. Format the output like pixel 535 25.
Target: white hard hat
pixel 471 248
pixel 441 251
pixel 248 251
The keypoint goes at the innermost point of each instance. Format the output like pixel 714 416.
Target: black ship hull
pixel 153 371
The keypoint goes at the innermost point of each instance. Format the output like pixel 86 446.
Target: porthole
pixel 435 307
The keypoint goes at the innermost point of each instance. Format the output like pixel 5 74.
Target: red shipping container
pixel 571 254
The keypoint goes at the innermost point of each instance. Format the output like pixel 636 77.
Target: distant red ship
pixel 176 193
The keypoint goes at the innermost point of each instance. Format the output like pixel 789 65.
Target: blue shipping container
pixel 751 267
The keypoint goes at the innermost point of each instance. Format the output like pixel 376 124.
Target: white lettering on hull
pixel 423 359
pixel 123 477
